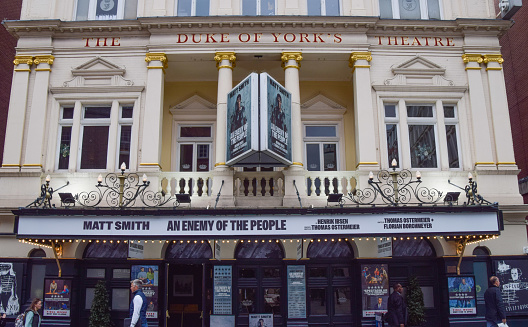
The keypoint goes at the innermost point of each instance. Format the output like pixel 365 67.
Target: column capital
pixel 221 56
pixel 493 58
pixel 28 60
pixel 44 60
pixel 157 56
pixel 472 57
pixel 355 56
pixel 287 56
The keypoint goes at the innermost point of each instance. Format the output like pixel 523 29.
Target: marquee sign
pixel 263 225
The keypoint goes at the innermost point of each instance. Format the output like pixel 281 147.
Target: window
pixel 323 7
pixel 194 148
pixel 421 124
pixel 258 7
pixel 321 147
pixel 410 9
pixel 106 9
pixel 99 132
pixel 193 8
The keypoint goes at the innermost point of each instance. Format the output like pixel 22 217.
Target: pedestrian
pixel 32 317
pixel 138 305
pixel 396 308
pixel 495 312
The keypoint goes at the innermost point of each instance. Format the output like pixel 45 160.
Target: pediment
pixel 418 65
pixel 418 71
pixel 98 72
pixel 321 106
pixel 195 102
pixel 98 66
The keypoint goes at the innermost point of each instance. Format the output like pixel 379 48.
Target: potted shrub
pixel 415 303
pixel 100 311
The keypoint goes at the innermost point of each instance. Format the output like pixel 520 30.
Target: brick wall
pixel 515 53
pixel 9 10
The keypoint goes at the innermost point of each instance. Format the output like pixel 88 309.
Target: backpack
pixel 19 321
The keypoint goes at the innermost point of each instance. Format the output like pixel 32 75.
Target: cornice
pixel 155 25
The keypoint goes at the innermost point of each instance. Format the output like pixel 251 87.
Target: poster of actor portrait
pixel 261 320
pixel 513 276
pixel 374 288
pixel 462 295
pixel 149 276
pixel 276 107
pixel 57 295
pixel 10 287
pixel 242 119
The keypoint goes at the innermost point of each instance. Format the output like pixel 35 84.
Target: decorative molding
pixel 472 57
pixel 493 58
pixel 418 71
pixel 98 72
pixel 355 56
pixel 287 56
pixel 28 60
pixel 221 56
pixel 321 107
pixel 44 60
pixel 194 108
pixel 157 56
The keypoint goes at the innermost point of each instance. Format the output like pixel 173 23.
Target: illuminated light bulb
pixel 100 178
pixel 371 175
pixel 418 174
pixel 123 166
pixel 144 178
pixel 470 176
pixel 394 163
pixel 48 179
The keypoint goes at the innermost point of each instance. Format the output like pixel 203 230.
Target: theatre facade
pixel 362 151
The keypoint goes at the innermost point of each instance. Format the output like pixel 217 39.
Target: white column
pixel 17 114
pixel 222 174
pixel 291 62
pixel 479 116
pixel 365 134
pixel 153 115
pixel 500 112
pixel 37 115
pixel 225 62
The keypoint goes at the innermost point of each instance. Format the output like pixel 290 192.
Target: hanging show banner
pixel 57 297
pixel 513 285
pixel 222 290
pixel 242 120
pixel 275 113
pixel 296 292
pixel 374 289
pixel 149 276
pixel 462 295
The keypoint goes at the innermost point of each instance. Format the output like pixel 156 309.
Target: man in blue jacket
pixel 495 312
pixel 138 305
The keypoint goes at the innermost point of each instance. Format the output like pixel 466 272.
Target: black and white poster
pixel 513 285
pixel 296 291
pixel 10 287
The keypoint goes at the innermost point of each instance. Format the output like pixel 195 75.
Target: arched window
pixel 329 249
pixel 37 253
pixel 179 250
pixel 412 248
pixel 106 250
pixel 259 250
pixel 481 250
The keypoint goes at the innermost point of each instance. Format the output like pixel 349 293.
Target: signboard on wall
pixel 384 247
pixel 296 291
pixel 223 291
pixel 275 120
pixel 242 120
pixel 374 289
pixel 263 225
pixel 462 295
pixel 149 275
pixel 261 320
pixel 57 295
pixel 513 276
